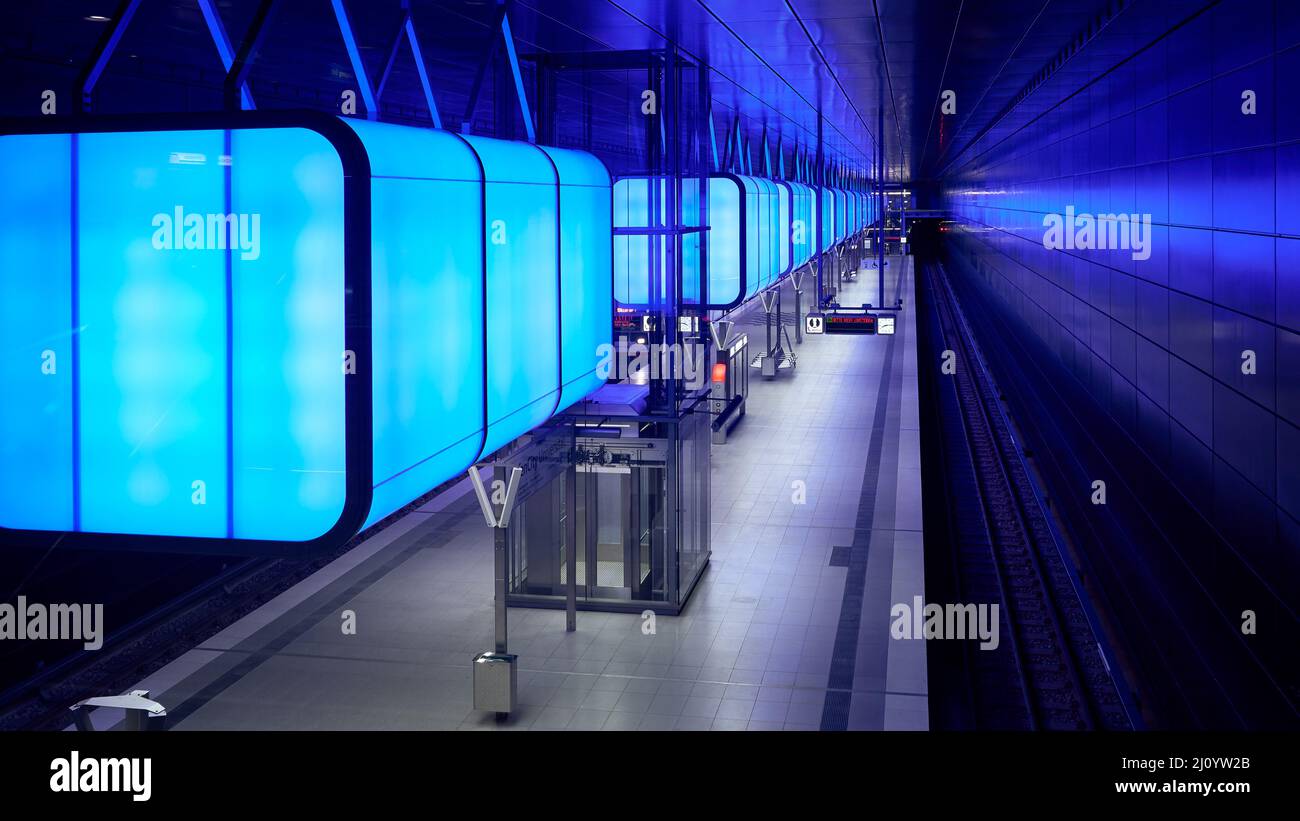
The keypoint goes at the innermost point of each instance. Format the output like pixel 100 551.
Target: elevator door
pixel 621 528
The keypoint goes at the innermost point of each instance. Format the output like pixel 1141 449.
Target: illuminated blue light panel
pixel 208 284
pixel 36 332
pixel 828 218
pixel 725 240
pixel 783 228
pixel 426 308
pixel 690 242
pixel 769 231
pixel 754 245
pixel 586 296
pixel 523 295
pixel 153 335
pixel 287 336
pixel 632 252
pixel 810 216
pixel 765 238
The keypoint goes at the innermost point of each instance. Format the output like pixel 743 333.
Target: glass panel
pixel 152 313
pixel 36 332
pixel 523 288
pixel 288 454
pixel 427 309
pixel 724 241
pixel 783 228
pixel 585 269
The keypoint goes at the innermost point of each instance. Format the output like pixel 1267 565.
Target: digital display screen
pixel 850 324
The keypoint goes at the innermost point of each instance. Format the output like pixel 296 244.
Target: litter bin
pixel 495 682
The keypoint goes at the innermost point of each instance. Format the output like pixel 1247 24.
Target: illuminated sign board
pixel 850 324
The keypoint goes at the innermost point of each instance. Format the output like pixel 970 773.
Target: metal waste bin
pixel 495 682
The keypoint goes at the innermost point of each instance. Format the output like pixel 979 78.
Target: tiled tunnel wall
pixel 1152 121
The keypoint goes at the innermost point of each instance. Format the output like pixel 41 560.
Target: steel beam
pixel 501 24
pixel 237 74
pixel 224 48
pixel 354 55
pixel 105 49
pixel 406 31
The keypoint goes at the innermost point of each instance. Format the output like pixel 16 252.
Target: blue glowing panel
pixel 632 253
pixel 636 256
pixel 783 222
pixel 691 241
pixel 586 298
pixel 754 251
pixel 288 446
pixel 841 214
pixel 807 229
pixel 204 395
pixel 769 231
pixel 828 218
pixel 725 238
pixel 427 309
pixel 36 333
pixel 790 226
pixel 523 295
pixel 152 303
pixel 814 219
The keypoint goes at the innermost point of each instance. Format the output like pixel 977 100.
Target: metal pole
pixel 500 544
pixel 880 174
pixel 903 222
pixel 798 316
pixel 821 213
pixel 779 321
pixel 571 540
pixel 237 75
pixel 104 51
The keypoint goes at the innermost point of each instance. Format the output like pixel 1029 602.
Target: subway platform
pixel 816 532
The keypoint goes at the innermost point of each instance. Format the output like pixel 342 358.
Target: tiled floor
pixel 787 630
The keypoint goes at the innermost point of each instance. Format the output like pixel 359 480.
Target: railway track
pixel 1049 672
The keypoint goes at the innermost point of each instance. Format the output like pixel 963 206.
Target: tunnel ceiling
pixel 777 61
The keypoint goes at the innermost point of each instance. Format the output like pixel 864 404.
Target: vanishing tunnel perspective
pixel 689 365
